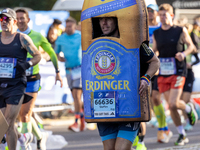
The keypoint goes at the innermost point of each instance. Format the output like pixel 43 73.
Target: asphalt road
pixel 90 140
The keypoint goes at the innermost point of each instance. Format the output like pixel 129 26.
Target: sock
pixel 160 115
pixel 35 130
pixel 22 139
pixel 188 109
pixel 26 127
pixel 181 130
pixel 77 116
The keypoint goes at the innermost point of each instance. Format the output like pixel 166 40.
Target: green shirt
pixel 40 40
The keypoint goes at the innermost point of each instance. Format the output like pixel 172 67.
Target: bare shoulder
pixel 24 38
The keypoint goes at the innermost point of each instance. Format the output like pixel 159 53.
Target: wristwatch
pixel 148 76
pixel 30 63
pixel 58 70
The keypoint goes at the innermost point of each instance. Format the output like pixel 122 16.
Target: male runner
pixel 187 89
pixel 164 134
pixel 13 52
pixel 70 44
pixel 117 135
pixel 33 78
pixel 169 41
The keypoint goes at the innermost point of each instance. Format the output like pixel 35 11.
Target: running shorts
pixel 189 81
pixel 171 82
pixel 12 94
pixel 125 130
pixel 74 84
pixel 33 86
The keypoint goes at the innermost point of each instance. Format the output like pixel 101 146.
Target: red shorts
pixel 171 82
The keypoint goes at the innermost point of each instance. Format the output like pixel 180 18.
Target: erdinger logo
pixel 104 62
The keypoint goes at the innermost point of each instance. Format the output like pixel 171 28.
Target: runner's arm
pixel 47 48
pixel 155 46
pixel 27 43
pixel 186 39
pixel 154 64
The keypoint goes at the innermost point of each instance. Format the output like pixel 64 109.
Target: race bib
pixel 7 67
pixel 104 104
pixel 167 66
pixel 76 73
pixel 29 71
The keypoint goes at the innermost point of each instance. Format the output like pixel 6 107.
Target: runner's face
pixel 152 13
pixel 7 23
pixel 70 28
pixel 165 17
pixel 22 21
pixel 107 25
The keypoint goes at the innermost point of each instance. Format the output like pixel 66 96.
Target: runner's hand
pixel 58 78
pixel 179 56
pixel 143 87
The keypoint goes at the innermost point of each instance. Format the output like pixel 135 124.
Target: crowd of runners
pixel 172 41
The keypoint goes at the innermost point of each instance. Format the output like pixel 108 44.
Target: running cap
pixel 153 6
pixel 9 13
pixel 197 23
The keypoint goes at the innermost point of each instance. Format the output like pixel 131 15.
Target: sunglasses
pixel 150 10
pixel 7 19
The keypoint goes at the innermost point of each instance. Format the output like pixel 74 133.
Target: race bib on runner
pixel 7 67
pixel 29 71
pixel 167 66
pixel 104 104
pixel 76 73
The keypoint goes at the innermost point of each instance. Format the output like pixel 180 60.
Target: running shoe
pixel 136 141
pixel 182 140
pixel 188 127
pixel 41 144
pixel 26 145
pixel 83 125
pixel 141 147
pixel 192 116
pixel 164 136
pixel 74 127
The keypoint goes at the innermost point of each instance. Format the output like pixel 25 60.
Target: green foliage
pixel 33 4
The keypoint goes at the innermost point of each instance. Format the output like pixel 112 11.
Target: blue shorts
pixel 125 130
pixel 33 86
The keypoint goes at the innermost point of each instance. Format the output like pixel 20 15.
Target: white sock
pixel 188 109
pixel 181 130
pixel 141 142
pixel 22 139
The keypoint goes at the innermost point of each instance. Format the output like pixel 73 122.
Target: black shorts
pixel 189 81
pixel 11 94
pixel 154 83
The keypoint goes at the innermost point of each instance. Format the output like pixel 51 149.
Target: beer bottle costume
pixel 111 65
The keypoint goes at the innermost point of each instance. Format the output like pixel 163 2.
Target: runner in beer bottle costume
pixel 100 90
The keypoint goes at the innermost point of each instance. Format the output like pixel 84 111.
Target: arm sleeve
pixel 197 59
pixel 195 39
pixel 145 53
pixel 47 48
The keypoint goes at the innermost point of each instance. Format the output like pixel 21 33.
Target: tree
pixel 33 4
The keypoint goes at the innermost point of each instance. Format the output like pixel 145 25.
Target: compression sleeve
pixel 197 59
pixel 47 48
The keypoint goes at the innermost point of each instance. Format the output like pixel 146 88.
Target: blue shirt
pixel 151 30
pixel 70 45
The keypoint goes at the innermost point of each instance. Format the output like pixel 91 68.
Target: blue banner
pixel 110 78
pixel 106 8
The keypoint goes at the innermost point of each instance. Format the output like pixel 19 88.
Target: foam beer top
pixel 131 16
